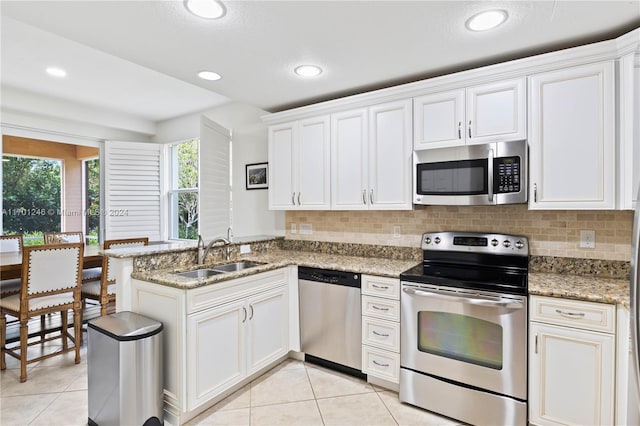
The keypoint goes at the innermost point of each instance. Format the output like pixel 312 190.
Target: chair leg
pixel 77 330
pixel 43 327
pixel 24 335
pixel 3 339
pixel 103 307
pixel 64 317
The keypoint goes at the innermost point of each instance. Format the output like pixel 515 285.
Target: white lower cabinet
pixel 230 342
pixel 216 336
pixel 571 367
pixel 381 327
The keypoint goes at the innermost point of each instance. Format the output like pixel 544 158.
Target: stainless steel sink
pixel 235 266
pixel 199 273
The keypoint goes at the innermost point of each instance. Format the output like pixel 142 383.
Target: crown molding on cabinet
pixel 595 52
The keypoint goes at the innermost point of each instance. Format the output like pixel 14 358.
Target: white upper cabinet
pixel 571 138
pixel 299 165
pixel 371 158
pixel 629 135
pixel 492 112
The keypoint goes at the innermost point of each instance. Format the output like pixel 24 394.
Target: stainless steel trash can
pixel 124 363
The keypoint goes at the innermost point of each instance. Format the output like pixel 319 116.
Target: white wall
pixel 251 215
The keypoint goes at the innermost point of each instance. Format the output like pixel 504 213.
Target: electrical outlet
pixel 294 230
pixel 396 231
pixel 245 248
pixel 306 229
pixel 587 239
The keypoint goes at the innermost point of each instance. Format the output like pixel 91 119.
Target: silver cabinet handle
pixel 535 192
pixel 298 198
pixel 459 129
pixel 379 334
pixel 490 184
pixel 376 308
pixel 378 364
pixel 469 128
pixel 293 198
pixel 371 196
pixel 364 196
pixel 380 287
pixel 245 314
pixel 251 309
pixel 570 314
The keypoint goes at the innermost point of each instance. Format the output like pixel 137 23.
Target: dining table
pixel 11 261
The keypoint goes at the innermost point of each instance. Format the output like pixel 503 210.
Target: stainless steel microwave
pixel 488 174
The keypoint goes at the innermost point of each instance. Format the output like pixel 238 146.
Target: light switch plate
pixel 397 233
pixel 306 229
pixel 587 239
pixel 245 248
pixel 294 230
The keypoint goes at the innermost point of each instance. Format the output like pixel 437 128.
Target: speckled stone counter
pixel 593 289
pixel 274 259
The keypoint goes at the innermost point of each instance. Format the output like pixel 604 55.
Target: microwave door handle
pixel 478 301
pixel 490 164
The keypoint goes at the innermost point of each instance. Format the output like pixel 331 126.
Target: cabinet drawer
pixel 573 313
pixel 381 308
pixel 380 363
pixel 380 333
pixel 381 287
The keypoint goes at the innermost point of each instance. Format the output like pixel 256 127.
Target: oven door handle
pixel 478 301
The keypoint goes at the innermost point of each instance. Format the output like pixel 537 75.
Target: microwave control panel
pixel 507 175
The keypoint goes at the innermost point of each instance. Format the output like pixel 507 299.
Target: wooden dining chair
pixel 10 243
pixel 51 280
pixel 104 290
pixel 89 274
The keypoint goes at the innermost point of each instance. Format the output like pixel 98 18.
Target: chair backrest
pixel 10 243
pixel 63 237
pixel 106 261
pixel 51 269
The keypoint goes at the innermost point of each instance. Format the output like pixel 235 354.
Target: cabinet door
pixel 629 136
pixel 312 170
pixel 390 156
pixel 349 161
pixel 496 112
pixel 572 137
pixel 215 351
pixel 570 376
pixel 281 189
pixel 268 328
pixel 438 120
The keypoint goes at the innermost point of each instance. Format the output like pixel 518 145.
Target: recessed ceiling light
pixel 486 20
pixel 308 70
pixel 56 72
pixel 209 75
pixel 208 9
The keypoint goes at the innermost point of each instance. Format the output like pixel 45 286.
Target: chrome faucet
pixel 203 251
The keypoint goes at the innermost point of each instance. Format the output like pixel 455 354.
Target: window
pixel 31 197
pixel 92 200
pixel 183 195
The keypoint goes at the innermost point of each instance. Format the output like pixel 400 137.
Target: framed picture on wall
pixel 257 175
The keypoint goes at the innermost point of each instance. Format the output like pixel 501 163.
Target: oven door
pixel 474 338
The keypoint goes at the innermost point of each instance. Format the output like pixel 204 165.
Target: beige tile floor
pixel 292 393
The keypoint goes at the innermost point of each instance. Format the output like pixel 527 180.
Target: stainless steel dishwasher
pixel 330 318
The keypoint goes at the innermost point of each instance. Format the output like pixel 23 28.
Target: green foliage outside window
pixel 188 179
pixel 31 197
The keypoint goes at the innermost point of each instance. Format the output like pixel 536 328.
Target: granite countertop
pixel 275 259
pixel 589 288
pixel 175 246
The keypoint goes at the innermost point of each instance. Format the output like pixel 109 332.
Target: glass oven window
pixel 460 337
pixel 464 177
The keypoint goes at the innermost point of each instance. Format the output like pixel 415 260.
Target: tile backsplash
pixel 550 232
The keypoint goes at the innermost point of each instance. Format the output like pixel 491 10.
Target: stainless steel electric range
pixel 464 328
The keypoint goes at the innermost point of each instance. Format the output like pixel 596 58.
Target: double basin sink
pixel 219 269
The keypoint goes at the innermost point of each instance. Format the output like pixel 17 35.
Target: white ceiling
pixel 141 57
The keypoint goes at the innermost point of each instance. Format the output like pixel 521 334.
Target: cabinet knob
pixel 470 128
pixel 293 198
pixel 371 196
pixel 298 198
pixel 459 129
pixel 364 196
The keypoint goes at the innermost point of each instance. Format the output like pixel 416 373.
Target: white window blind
pixel 133 179
pixel 215 187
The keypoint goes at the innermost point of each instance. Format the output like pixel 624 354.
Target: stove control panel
pixel 476 242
